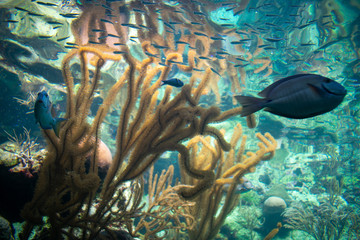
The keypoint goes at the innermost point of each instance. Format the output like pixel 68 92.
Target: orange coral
pixel 156 127
pixel 273 232
pixel 228 169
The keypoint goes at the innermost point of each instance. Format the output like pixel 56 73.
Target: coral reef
pixel 212 205
pixel 22 154
pixel 321 222
pixel 272 211
pixel 66 190
pixel 243 221
pixel 171 212
pixel 70 193
pixel 118 53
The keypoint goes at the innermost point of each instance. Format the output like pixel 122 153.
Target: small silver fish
pixel 43 114
pixel 299 96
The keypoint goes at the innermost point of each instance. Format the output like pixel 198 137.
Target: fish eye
pixel 327 80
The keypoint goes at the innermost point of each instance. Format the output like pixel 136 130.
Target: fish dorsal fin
pixel 267 90
pixel 56 126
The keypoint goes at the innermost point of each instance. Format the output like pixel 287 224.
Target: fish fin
pixel 52 111
pixel 57 123
pixel 250 104
pixel 316 89
pixel 268 89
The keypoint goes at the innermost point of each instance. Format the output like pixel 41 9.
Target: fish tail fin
pixel 250 104
pixel 57 124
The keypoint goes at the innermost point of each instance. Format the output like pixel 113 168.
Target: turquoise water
pixel 77 51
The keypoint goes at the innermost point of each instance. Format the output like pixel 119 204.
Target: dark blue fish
pixel 217 38
pixel 299 96
pixel 200 34
pixel 181 42
pixel 43 114
pixel 106 21
pixel 46 4
pixel 69 15
pixel 215 72
pixel 175 82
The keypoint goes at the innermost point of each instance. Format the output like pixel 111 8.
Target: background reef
pixel 139 160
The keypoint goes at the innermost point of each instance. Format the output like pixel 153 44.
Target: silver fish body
pixel 299 96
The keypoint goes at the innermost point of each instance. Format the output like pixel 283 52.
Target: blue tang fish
pixel 43 116
pixel 175 82
pixel 299 96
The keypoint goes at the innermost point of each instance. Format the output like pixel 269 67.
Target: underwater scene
pixel 180 119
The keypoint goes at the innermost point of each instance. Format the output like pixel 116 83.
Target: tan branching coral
pixel 22 153
pixel 214 203
pixel 77 203
pixel 165 210
pixel 66 189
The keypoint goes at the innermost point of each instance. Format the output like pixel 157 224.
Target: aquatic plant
pixel 334 189
pixel 251 198
pixel 327 173
pixel 354 229
pixel 25 153
pixel 324 222
pixel 249 218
